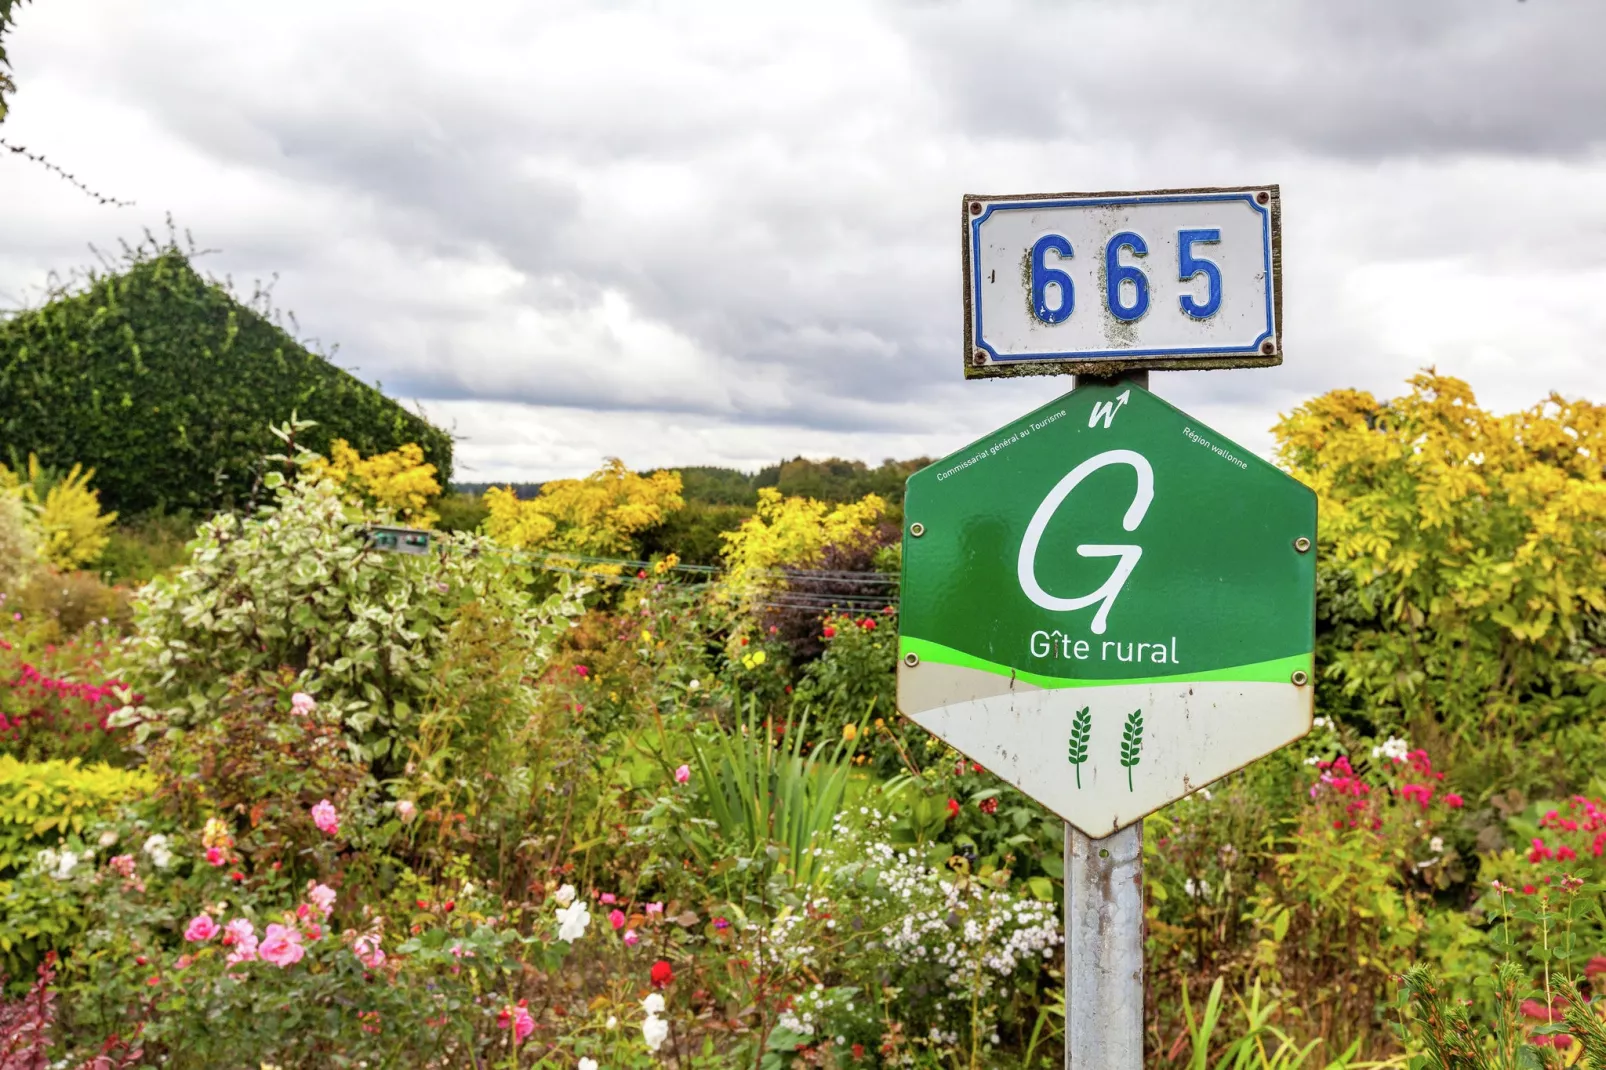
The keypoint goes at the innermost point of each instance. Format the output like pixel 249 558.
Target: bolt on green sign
pixel 1108 604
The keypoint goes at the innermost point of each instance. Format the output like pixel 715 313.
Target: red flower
pixel 1596 965
pixel 1539 852
pixel 641 573
pixel 858 1051
pixel 829 632
pixel 449 906
pixel 988 806
pixel 1528 889
pixel 953 807
pixel 1454 801
pixel 868 624
pixel 662 973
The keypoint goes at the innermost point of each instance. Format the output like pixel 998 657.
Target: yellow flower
pixel 646 636
pixel 850 731
pixel 758 658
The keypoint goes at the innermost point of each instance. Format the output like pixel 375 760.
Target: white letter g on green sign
pixel 1026 569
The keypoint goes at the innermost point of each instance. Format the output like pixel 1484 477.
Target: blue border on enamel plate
pixel 1252 348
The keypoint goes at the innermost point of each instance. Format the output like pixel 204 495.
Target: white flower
pixel 1436 845
pixel 694 685
pixel 468 888
pixel 1318 722
pixel 1313 759
pixel 653 1004
pixel 156 847
pixel 587 1064
pixel 108 837
pixel 572 921
pixel 1394 748
pixel 564 895
pixel 654 1031
pixel 613 1021
pixel 58 864
pixel 1196 890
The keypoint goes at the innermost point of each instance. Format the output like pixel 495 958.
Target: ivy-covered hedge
pixel 165 384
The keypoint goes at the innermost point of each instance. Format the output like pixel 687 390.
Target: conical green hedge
pixel 165 384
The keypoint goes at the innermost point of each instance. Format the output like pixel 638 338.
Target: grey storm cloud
pixel 1362 80
pixel 632 216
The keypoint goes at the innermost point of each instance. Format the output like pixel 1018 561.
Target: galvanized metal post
pixel 1104 931
pixel 1104 950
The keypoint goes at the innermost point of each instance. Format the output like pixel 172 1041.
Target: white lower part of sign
pixel 1103 757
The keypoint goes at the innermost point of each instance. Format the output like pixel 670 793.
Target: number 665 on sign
pixel 1099 282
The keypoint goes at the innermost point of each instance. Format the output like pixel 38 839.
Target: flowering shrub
pixel 399 481
pixel 58 707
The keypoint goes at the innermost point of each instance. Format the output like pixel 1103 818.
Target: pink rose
pixel 366 948
pixel 281 946
pixel 607 899
pixel 123 865
pixel 215 856
pixel 654 908
pixel 241 935
pixel 523 1025
pixel 616 918
pixel 321 896
pixel 200 929
pixel 324 816
pixel 632 938
pixel 303 703
pixel 683 774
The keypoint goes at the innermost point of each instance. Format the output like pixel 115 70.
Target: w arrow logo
pixel 1108 409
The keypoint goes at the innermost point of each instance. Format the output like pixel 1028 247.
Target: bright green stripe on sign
pixel 1276 671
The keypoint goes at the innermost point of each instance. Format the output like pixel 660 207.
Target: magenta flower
pixel 616 918
pixel 683 774
pixel 607 899
pixel 281 945
pixel 325 817
pixel 200 929
pixel 215 856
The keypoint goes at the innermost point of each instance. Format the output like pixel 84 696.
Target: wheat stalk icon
pixel 1131 744
pixel 1081 728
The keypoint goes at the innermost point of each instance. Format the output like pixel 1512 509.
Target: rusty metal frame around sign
pixel 978 365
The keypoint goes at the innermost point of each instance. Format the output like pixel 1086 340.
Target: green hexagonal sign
pixel 1108 604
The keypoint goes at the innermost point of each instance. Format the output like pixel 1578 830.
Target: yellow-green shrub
pixel 40 802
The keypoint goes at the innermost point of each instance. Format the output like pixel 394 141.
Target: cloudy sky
pixel 696 232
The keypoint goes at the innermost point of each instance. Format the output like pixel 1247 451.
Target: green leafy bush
pixel 165 384
pixel 42 802
pixel 45 810
pixel 298 586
